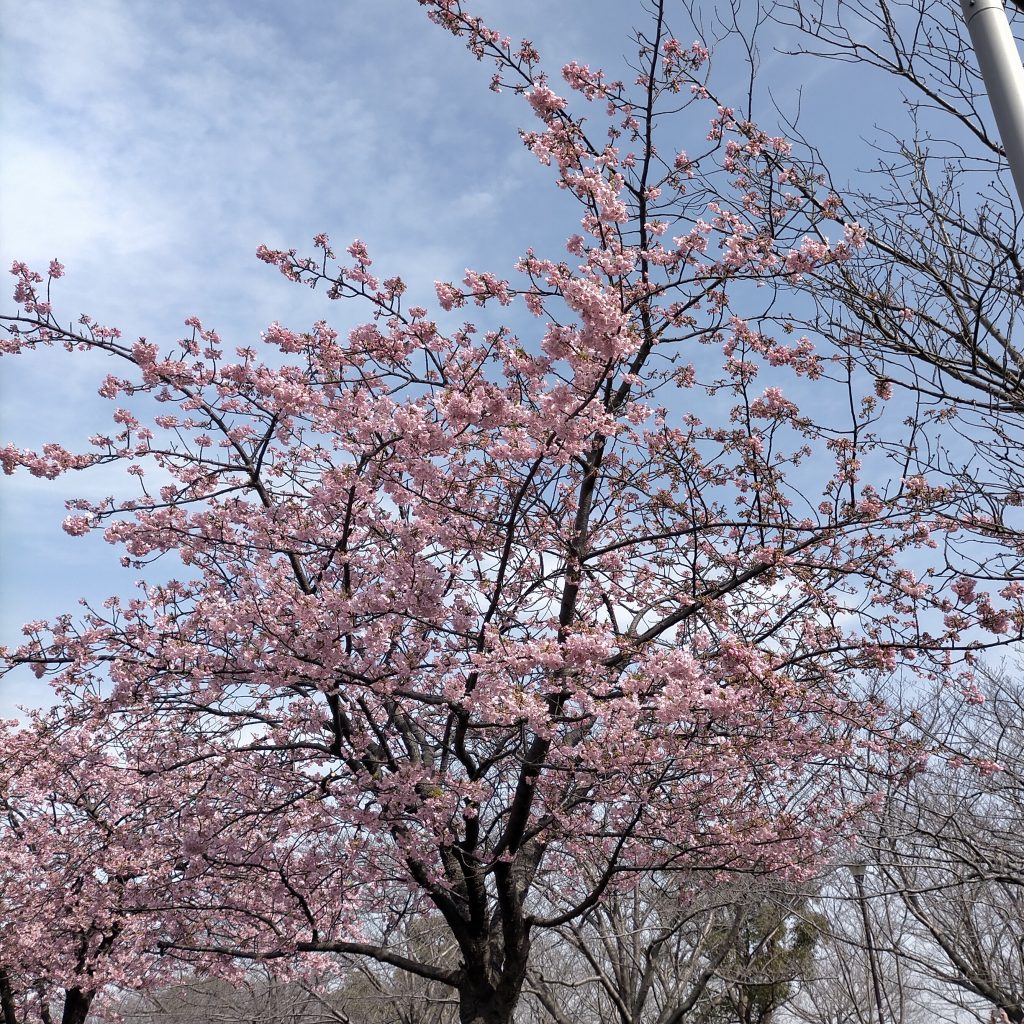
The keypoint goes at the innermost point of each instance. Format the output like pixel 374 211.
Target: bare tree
pixel 679 950
pixel 353 992
pixel 932 307
pixel 932 304
pixel 255 997
pixel 951 848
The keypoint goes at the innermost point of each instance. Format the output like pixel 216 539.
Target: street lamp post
pixel 857 870
pixel 1001 69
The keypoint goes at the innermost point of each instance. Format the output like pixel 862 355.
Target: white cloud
pixel 79 211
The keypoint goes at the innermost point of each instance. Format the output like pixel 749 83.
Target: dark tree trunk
pixel 483 1005
pixel 493 1000
pixel 495 958
pixel 7 1008
pixel 76 1006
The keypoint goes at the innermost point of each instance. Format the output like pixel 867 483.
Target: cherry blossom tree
pixel 72 839
pixel 464 606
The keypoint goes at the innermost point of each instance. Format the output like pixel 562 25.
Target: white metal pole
pixel 1001 68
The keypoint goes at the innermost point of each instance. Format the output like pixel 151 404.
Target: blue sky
pixel 152 147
